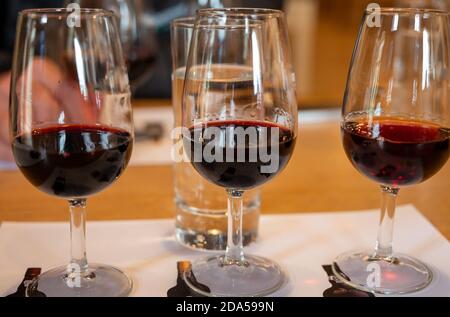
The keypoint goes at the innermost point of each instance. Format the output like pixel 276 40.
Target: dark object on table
pixel 152 131
pixel 182 289
pixel 339 289
pixel 30 274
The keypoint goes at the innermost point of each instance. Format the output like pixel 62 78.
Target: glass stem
pixel 383 248
pixel 235 250
pixel 78 262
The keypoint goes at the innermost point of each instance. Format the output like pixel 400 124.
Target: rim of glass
pixel 240 12
pixel 57 12
pixel 392 10
pixel 240 23
pixel 185 22
pixel 199 20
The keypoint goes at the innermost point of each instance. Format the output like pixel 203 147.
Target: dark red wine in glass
pixel 245 173
pixel 71 130
pixel 72 161
pixel 395 131
pixel 396 152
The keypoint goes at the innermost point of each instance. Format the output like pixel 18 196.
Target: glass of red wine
pixel 71 128
pixel 239 113
pixel 395 130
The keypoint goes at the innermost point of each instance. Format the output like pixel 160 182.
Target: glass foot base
pixel 398 274
pixel 214 240
pixel 206 229
pixel 259 277
pixel 101 281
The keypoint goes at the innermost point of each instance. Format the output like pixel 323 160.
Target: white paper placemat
pixel 148 251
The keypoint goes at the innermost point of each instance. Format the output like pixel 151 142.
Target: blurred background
pixel 322 33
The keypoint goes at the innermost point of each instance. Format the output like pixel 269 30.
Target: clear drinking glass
pixel 240 118
pixel 137 34
pixel 71 128
pixel 201 208
pixel 395 130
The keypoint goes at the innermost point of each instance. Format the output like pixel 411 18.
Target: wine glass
pixel 71 128
pixel 137 34
pixel 395 130
pixel 240 127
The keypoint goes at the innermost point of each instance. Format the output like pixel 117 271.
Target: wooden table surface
pixel 319 178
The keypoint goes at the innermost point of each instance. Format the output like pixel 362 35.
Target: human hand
pixel 53 96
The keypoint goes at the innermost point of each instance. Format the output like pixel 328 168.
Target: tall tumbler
pixel 201 207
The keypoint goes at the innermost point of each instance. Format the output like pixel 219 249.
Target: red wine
pixel 247 172
pixel 396 152
pixel 72 161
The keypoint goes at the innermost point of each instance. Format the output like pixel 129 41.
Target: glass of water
pixel 201 207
